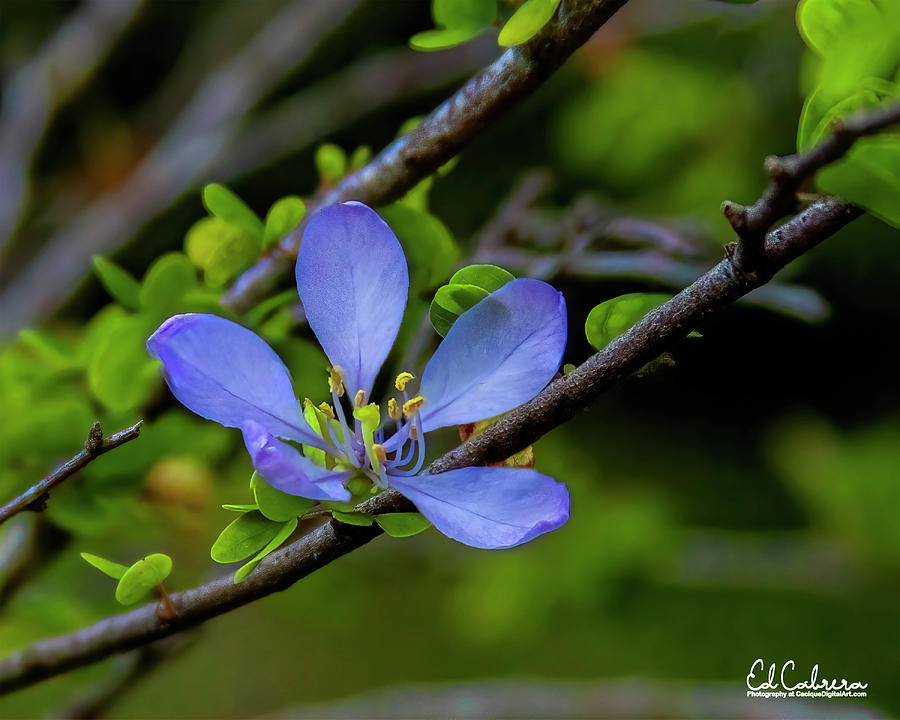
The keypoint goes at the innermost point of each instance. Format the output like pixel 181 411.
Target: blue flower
pixel 353 282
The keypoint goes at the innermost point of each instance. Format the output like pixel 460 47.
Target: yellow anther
pixel 336 380
pixel 393 409
pixel 326 410
pixel 360 398
pixel 402 379
pixel 412 405
pixel 379 452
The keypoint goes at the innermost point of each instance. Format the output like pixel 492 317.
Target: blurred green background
pixel 738 501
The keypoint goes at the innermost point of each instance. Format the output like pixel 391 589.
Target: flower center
pixel 365 447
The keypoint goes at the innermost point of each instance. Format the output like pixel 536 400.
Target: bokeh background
pixel 736 501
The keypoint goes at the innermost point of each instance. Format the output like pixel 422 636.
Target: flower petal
pixel 488 507
pixel 285 469
pixel 226 373
pixel 353 281
pixel 499 353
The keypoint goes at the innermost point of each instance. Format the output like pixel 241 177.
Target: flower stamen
pixel 336 380
pixel 410 407
pixel 393 409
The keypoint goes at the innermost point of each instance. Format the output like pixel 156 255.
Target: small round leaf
pixel 142 577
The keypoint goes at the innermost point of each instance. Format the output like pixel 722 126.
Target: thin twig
pixel 518 429
pixel 449 128
pixel 557 403
pixel 786 175
pixel 35 497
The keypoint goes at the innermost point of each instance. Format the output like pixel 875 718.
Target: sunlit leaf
pixel 427 244
pixel 220 249
pixel 527 21
pixel 276 505
pixel 283 534
pixel 869 176
pixel 352 518
pixel 441 39
pixel 142 577
pixel 331 162
pixel 166 283
pixel 610 319
pixel 402 524
pixel 463 13
pixel 107 567
pixel 225 205
pixel 120 373
pixel 467 287
pixel 487 277
pixel 451 301
pixel 119 283
pixel 283 217
pixel 243 537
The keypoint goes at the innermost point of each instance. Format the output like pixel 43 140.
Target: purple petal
pixel 352 279
pixel 285 469
pixel 497 355
pixel 226 373
pixel 488 507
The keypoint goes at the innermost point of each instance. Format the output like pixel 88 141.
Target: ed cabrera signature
pixel 787 676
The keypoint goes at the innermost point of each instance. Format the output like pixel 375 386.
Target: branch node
pixel 776 168
pixel 736 214
pixel 841 130
pixel 94 438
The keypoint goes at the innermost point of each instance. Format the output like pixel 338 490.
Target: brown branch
pixel 35 498
pixel 786 175
pixel 557 403
pixel 449 128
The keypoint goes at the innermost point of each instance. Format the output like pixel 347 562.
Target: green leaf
pixel 401 525
pixel 220 249
pixel 227 206
pixel 451 301
pixel 119 283
pixel 49 350
pixel 360 157
pixel 166 283
pixel 276 505
pixel 466 288
pixel 284 215
pixel 107 567
pixel 610 319
pixel 120 373
pixel 441 39
pixel 240 508
pixel 487 277
pixel 331 162
pixel 243 537
pixel 869 176
pixel 142 577
pixel 463 13
pixel 429 247
pixel 527 21
pixel 352 518
pixel 283 534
